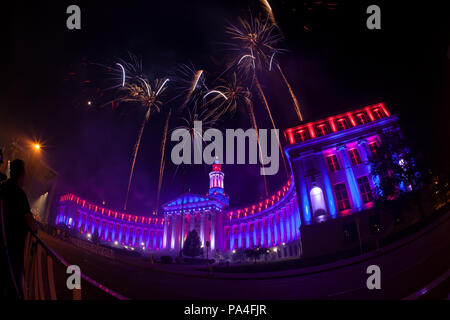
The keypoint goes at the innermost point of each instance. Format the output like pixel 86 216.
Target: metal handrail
pixel 83 276
pixel 35 288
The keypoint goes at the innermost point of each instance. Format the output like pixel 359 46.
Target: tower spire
pixel 216 182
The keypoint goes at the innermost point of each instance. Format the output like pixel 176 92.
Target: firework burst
pixel 235 95
pixel 141 92
pixel 255 39
pixel 190 83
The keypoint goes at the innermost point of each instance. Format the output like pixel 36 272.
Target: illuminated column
pixel 327 184
pixel 172 236
pixel 247 235
pixel 133 236
pixel 213 232
pixel 109 235
pixel 276 228
pixel 351 181
pixel 287 220
pixel 192 221
pixel 80 221
pixel 85 223
pixel 141 234
pixel 155 234
pixel 363 150
pixel 302 193
pixel 127 235
pixel 269 231
pixel 282 230
pixel 293 220
pixel 105 229
pixel 100 228
pixel 120 233
pixel 365 154
pixel 240 235
pixel 232 238
pixel 297 210
pixel 289 226
pixel 254 233
pixel 202 229
pixel 93 225
pixel 183 227
pixel 147 238
pixel 262 231
pixel 165 232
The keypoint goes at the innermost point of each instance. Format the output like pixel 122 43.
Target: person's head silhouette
pixel 17 171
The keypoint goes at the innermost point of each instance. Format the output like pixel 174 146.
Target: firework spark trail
pixel 268 9
pixel 266 104
pixel 135 152
pixel 246 56
pixel 146 85
pixel 294 98
pixel 163 161
pixel 123 73
pixel 255 127
pixel 271 60
pixel 215 91
pixel 195 81
pixel 162 86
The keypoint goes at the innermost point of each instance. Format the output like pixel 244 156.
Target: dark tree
pixel 191 246
pixel 254 253
pixel 393 168
pixel 96 237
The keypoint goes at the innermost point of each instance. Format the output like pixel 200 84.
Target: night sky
pixel 52 72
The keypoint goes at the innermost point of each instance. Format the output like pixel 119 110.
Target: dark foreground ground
pixel 405 268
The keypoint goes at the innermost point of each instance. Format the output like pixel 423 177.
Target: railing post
pixel 51 278
pixel 76 294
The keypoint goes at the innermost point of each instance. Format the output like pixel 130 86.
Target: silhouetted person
pixel 2 176
pixel 18 220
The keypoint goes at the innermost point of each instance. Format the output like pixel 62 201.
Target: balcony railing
pixel 45 273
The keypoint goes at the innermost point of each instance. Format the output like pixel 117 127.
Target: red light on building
pixel 335 123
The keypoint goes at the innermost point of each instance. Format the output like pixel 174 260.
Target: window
pixel 354 156
pixel 361 117
pixel 333 163
pixel 303 134
pixel 322 130
pixel 342 124
pixel 377 113
pixel 342 196
pixel 364 189
pixel 373 148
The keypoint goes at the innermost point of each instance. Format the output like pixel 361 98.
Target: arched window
pixel 317 201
